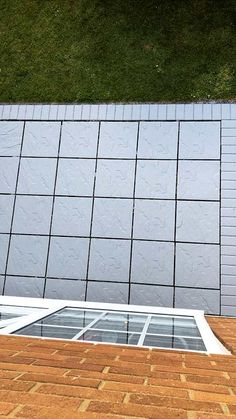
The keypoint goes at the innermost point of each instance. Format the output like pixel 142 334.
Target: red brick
pixel 6 408
pixel 172 402
pixel 54 379
pixel 81 392
pixel 151 412
pixel 107 376
pixel 40 412
pixel 215 397
pixel 138 388
pixel 188 385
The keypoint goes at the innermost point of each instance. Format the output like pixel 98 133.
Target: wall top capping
pixel 118 112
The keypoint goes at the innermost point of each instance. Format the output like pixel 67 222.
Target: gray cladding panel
pixel 135 216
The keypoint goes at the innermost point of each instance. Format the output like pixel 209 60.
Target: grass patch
pixel 120 50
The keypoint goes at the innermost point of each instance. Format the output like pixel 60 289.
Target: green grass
pixel 117 50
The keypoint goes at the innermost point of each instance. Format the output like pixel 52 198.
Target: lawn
pixel 117 50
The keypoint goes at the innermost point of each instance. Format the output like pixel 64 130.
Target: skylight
pixel 141 326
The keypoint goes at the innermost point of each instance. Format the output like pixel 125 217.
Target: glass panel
pixel 173 326
pixel 122 322
pixel 112 337
pixel 48 331
pixel 173 342
pixel 12 312
pixel 71 317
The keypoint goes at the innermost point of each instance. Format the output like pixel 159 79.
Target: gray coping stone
pixel 197 265
pixel 37 176
pixel 154 220
pixel 112 218
pixel 79 139
pixel 109 260
pixel 41 139
pixel 115 178
pixel 24 286
pixel 65 289
pixel 199 180
pixel 199 299
pixel 75 177
pixel 158 140
pixel 108 292
pixel 32 214
pixel 229 289
pixel 152 262
pixel 155 179
pixel 72 216
pixel 228 311
pixel 149 295
pixel 4 241
pixel 8 174
pixel 118 140
pixel 27 255
pixel 197 222
pixel 199 140
pixel 6 206
pixel 10 138
pixel 68 257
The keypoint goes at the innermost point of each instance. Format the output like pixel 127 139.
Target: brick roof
pixel 59 379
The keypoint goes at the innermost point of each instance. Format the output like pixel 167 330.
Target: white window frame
pixel 49 306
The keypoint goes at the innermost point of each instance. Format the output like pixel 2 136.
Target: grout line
pixel 133 213
pixel 53 204
pixel 175 219
pixel 92 213
pixel 13 209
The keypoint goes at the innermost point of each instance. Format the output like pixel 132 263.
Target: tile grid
pixel 53 204
pixel 13 209
pixel 93 193
pixel 228 218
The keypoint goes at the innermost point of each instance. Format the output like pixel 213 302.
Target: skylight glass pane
pixel 174 342
pixel 173 326
pixel 48 331
pixel 122 322
pixel 112 337
pixel 71 318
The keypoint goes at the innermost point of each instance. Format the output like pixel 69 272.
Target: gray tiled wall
pixel 123 211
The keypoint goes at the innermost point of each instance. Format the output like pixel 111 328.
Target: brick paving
pixel 59 379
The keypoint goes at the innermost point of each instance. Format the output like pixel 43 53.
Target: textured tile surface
pixel 72 216
pixel 75 177
pixel 118 140
pixel 199 140
pixel 198 222
pixel 149 295
pixel 115 178
pixel 10 138
pixel 8 174
pixel 109 260
pixel 24 287
pixel 41 139
pixel 68 257
pixel 158 140
pixel 108 292
pixel 32 214
pixel 152 262
pixel 4 240
pixel 6 206
pixel 28 255
pixel 37 176
pixel 154 220
pixel 112 218
pixel 65 289
pixel 156 179
pixel 79 139
pixel 198 299
pixel 197 265
pixel 199 180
